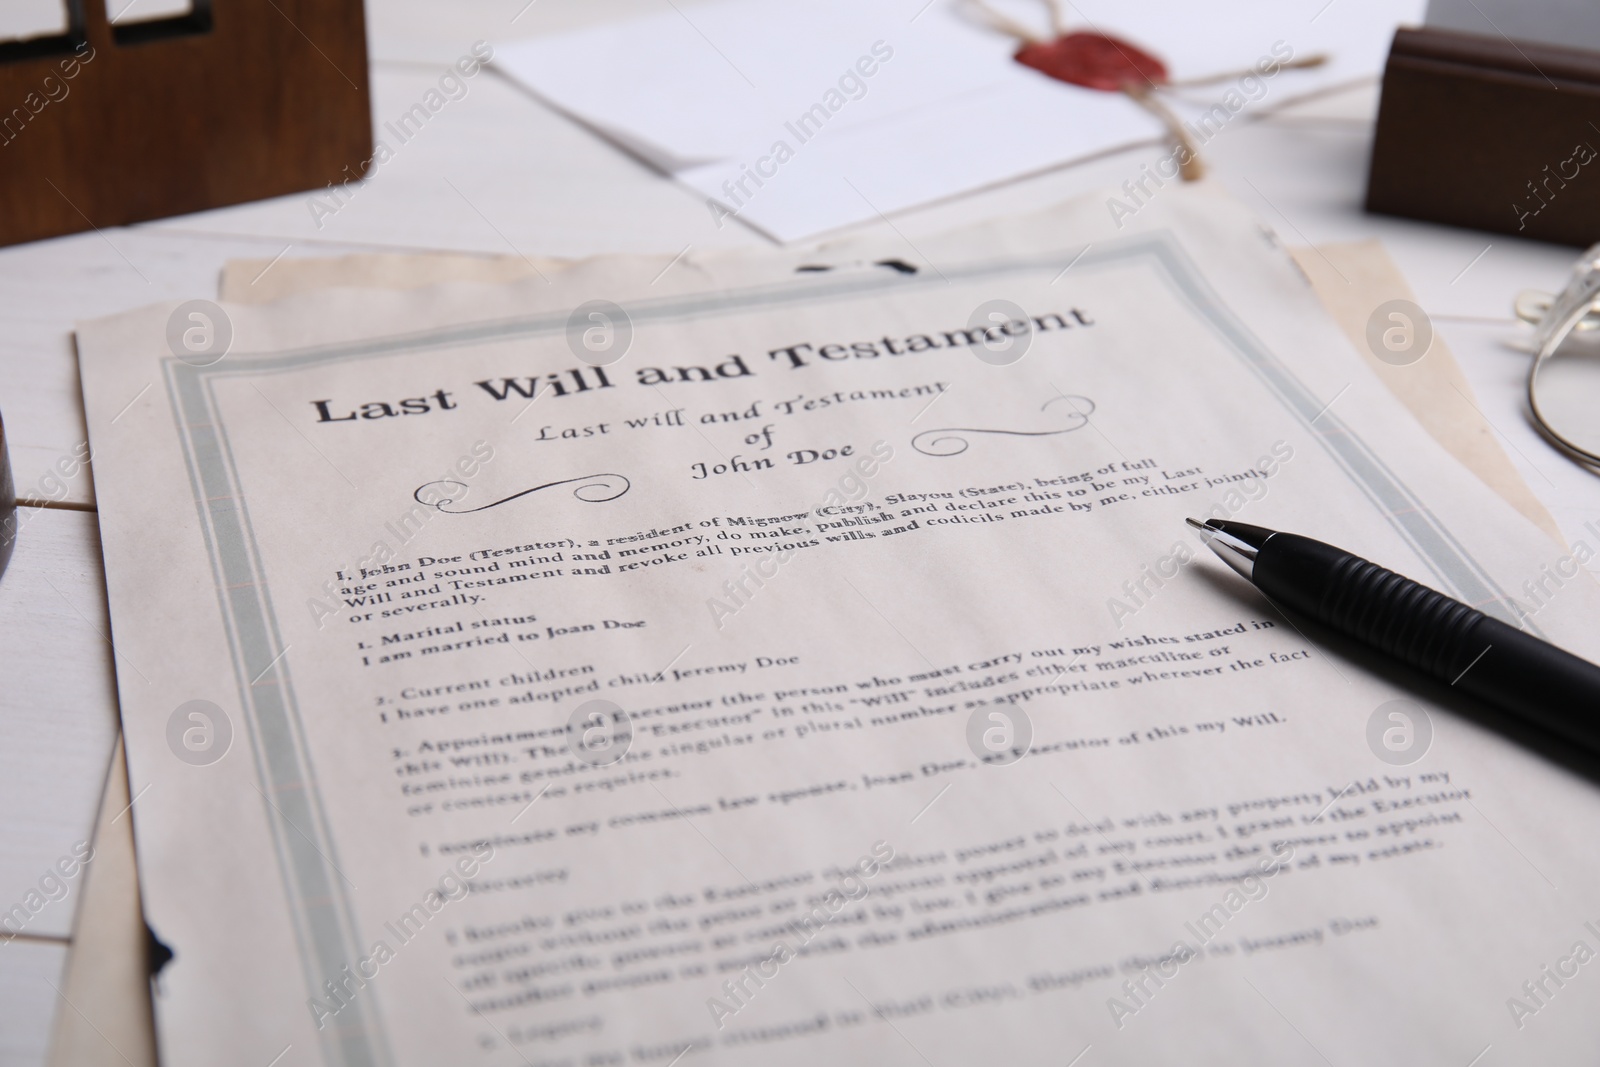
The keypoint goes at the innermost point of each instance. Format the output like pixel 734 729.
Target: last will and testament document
pixel 739 665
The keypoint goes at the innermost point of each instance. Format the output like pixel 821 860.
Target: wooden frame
pixel 1489 133
pixel 238 100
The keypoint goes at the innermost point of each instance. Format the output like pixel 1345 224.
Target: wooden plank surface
pixel 415 31
pixel 498 172
pixel 28 1001
pixel 59 708
pixel 1306 179
pixel 493 171
pixel 50 285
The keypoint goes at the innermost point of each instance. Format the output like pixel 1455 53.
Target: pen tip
pixel 1197 524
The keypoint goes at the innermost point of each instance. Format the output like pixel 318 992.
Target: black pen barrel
pixel 1429 631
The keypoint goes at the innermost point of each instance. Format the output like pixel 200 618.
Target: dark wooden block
pixel 239 100
pixel 1490 134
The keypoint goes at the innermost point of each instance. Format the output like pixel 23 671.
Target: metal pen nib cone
pixel 1236 544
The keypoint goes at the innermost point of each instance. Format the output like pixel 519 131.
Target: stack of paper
pixel 748 663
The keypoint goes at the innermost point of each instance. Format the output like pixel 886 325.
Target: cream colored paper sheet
pixel 1350 279
pixel 1201 854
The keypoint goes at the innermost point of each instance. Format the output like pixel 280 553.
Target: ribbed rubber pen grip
pixel 1425 629
pixel 1454 643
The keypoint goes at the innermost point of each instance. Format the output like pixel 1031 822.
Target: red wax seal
pixel 1094 61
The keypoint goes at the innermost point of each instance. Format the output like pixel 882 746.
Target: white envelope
pixel 881 105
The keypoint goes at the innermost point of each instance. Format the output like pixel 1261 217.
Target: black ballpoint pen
pixel 1444 638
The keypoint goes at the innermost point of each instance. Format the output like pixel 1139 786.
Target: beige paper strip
pixel 106 1020
pixel 1353 279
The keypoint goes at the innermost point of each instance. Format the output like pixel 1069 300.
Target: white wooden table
pixel 499 172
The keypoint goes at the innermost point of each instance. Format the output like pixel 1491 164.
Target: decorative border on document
pixel 325 925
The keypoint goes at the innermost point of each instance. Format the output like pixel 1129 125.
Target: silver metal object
pixel 1575 310
pixel 1234 551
